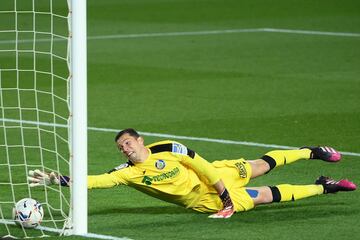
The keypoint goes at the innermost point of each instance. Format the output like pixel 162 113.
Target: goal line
pixel 88 235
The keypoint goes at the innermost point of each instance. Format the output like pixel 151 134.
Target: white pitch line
pixel 308 32
pixel 170 136
pixel 167 34
pixel 88 235
pixel 146 35
pixel 197 33
pixel 225 31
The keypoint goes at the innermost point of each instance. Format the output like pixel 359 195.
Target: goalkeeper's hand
pixel 39 178
pixel 228 209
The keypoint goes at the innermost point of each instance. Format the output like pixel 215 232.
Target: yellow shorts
pixel 235 175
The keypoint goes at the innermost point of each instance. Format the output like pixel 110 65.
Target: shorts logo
pixel 242 169
pixel 160 164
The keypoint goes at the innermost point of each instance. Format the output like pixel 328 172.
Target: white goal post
pixel 79 117
pixel 43 112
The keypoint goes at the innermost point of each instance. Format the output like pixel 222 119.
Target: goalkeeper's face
pixel 133 148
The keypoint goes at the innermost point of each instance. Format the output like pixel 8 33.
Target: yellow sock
pixel 281 157
pixel 287 192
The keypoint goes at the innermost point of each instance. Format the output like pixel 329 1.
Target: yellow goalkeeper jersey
pixel 172 172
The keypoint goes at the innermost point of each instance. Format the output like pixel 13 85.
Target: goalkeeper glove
pixel 228 209
pixel 38 178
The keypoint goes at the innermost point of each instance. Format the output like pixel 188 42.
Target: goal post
pixel 43 112
pixel 79 116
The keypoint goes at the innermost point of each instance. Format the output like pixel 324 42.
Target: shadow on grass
pixel 296 212
pixel 278 211
pixel 157 210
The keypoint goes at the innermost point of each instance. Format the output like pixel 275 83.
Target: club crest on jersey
pixel 160 164
pixel 179 148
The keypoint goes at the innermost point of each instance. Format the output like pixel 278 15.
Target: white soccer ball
pixel 28 213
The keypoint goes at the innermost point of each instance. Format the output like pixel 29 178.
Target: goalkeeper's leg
pixel 278 158
pixel 287 192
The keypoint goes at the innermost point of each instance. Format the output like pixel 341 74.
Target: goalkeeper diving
pixel 174 173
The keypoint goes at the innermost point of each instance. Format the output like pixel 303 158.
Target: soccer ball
pixel 28 213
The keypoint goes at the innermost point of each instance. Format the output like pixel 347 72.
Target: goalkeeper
pixel 172 172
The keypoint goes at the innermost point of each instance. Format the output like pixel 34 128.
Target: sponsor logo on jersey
pixel 148 180
pixel 179 148
pixel 160 164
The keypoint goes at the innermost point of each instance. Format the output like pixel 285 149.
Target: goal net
pixel 35 107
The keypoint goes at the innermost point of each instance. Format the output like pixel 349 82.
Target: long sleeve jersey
pixel 172 172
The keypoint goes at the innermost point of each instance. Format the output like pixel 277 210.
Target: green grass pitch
pixel 265 87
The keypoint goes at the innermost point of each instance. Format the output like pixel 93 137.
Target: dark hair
pixel 132 132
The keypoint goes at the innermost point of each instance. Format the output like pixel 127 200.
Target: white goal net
pixel 34 108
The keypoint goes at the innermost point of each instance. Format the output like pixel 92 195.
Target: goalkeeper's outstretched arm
pixel 107 180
